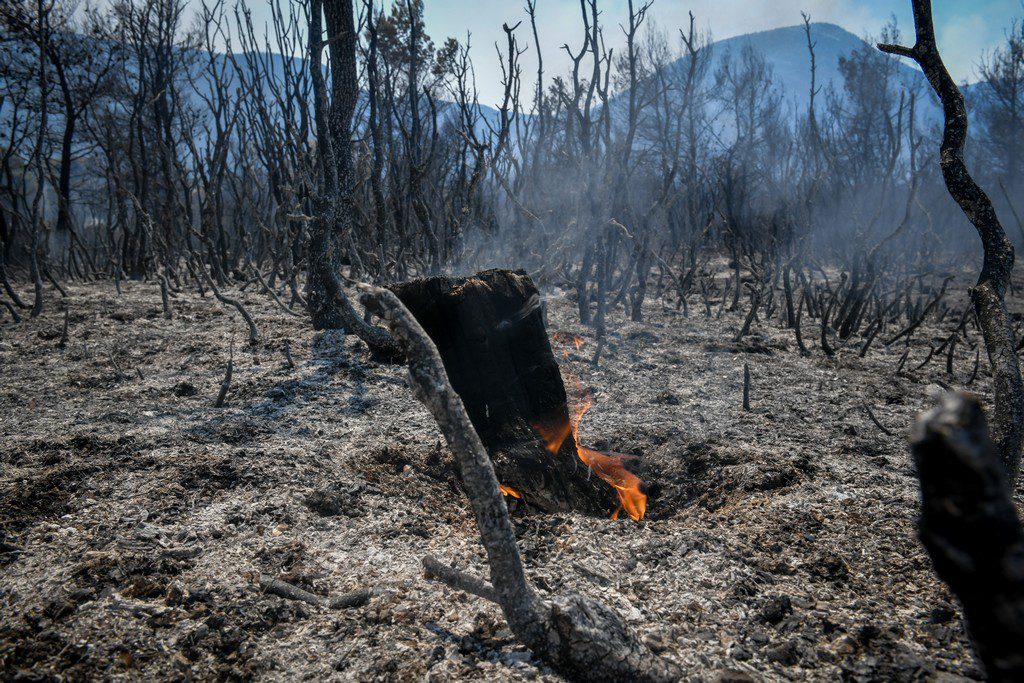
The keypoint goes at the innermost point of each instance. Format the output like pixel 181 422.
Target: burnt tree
pixel 490 333
pixel 329 306
pixel 988 294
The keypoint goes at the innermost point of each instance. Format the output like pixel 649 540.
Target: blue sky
pixel 966 28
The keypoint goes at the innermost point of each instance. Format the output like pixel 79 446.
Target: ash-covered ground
pixel 136 518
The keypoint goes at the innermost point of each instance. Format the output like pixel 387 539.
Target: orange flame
pixel 578 342
pixel 554 434
pixel 509 491
pixel 609 467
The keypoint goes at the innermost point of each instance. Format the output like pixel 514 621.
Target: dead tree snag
pixel 988 294
pixel 581 638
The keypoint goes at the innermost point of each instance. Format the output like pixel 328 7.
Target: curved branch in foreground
pixel 969 526
pixel 579 637
pixel 988 294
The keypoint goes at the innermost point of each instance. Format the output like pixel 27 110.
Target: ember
pixel 578 342
pixel 607 466
pixel 509 491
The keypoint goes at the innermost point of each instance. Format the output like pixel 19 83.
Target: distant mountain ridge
pixel 785 51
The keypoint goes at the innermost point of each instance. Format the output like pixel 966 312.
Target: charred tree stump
pixel 971 530
pixel 489 331
pixel 581 638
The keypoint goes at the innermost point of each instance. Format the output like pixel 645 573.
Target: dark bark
pixel 997 266
pixel 329 306
pixel 971 530
pixel 490 333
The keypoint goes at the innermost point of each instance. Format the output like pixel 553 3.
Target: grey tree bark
pixel 329 306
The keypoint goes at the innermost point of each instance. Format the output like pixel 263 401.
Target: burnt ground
pixel 136 518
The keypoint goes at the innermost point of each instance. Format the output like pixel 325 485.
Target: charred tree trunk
pixel 490 333
pixel 970 527
pixel 329 306
pixel 988 294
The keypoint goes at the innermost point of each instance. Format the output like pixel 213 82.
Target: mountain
pixel 785 51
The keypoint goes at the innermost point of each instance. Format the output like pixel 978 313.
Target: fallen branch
pixel 254 335
pixel 288 591
pixel 273 295
pixel 874 419
pixel 579 637
pixel 459 580
pixel 10 309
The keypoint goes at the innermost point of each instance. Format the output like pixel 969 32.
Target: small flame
pixel 554 434
pixel 509 491
pixel 609 467
pixel 561 337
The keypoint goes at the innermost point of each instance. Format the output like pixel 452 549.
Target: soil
pixel 136 518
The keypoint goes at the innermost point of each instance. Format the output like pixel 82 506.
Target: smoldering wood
pixel 970 527
pixel 490 333
pixel 579 637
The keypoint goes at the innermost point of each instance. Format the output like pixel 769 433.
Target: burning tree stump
pixel 581 638
pixel 489 331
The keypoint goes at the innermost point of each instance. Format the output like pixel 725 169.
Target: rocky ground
pixel 136 518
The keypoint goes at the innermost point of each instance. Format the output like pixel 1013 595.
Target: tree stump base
pixel 489 331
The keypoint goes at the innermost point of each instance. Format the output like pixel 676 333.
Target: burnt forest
pixel 570 340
